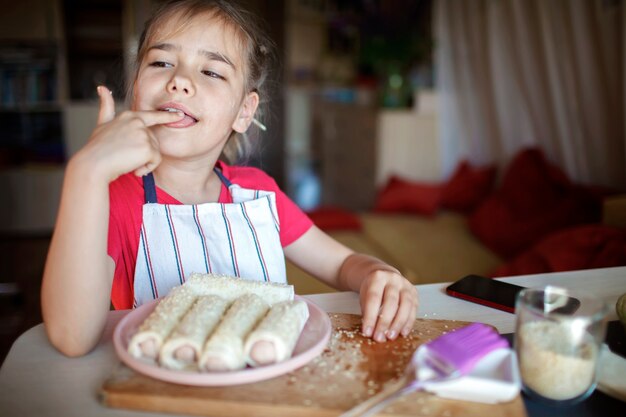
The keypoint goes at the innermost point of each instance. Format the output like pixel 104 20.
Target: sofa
pixel 529 219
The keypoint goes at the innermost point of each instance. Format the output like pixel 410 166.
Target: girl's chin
pixel 177 149
pixel 174 146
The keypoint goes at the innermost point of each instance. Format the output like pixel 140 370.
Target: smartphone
pixel 496 294
pixel 486 291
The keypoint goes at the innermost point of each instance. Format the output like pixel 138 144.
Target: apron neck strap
pixel 149 188
pixel 224 180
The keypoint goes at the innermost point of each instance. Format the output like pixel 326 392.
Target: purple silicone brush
pixel 449 356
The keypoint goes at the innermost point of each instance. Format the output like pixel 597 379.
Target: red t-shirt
pixel 126 196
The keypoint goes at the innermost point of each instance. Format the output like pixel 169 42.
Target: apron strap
pixel 149 188
pixel 224 180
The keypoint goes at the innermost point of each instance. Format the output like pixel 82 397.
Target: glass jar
pixel 558 336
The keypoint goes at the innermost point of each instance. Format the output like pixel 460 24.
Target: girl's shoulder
pixel 125 193
pixel 248 177
pixel 125 184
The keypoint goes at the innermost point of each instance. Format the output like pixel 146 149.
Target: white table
pixel 36 380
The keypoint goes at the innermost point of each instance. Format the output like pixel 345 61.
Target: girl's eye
pixel 160 64
pixel 212 74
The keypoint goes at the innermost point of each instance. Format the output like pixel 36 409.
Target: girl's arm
pixel 75 294
pixel 78 274
pixel 388 300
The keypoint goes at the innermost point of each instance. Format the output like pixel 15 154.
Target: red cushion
pixel 468 187
pixel 531 183
pixel 401 195
pixel 335 218
pixel 580 247
pixel 534 200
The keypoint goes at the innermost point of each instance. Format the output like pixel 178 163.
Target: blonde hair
pixel 257 47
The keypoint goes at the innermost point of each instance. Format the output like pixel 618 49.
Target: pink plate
pixel 312 342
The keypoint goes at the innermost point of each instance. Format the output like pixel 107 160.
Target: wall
pixel 408 142
pixel 32 197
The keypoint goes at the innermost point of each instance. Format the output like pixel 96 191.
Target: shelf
pixel 31 136
pixel 32 108
pixel 28 74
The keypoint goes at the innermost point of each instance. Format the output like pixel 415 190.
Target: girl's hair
pixel 257 47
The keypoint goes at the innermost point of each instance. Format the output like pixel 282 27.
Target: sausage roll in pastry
pixel 232 288
pixel 147 342
pixel 274 339
pixel 223 350
pixel 182 349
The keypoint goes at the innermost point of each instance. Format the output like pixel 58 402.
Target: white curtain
pixel 546 73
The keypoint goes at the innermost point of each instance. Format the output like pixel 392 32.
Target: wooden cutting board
pixel 350 370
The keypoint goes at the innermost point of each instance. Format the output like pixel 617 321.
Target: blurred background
pixel 365 90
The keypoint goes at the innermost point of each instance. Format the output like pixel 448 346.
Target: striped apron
pixel 239 239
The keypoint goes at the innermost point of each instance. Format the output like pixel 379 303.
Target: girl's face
pixel 198 69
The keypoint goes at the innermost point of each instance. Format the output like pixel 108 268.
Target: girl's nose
pixel 181 85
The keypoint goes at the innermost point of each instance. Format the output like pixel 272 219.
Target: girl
pixel 151 198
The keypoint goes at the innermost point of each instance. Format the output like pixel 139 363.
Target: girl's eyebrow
pixel 211 55
pixel 216 56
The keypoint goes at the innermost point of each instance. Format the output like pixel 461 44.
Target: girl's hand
pixel 124 143
pixel 388 300
pixel 389 304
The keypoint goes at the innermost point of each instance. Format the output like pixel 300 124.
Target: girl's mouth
pixel 186 121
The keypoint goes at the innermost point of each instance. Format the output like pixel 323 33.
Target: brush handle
pixel 379 401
